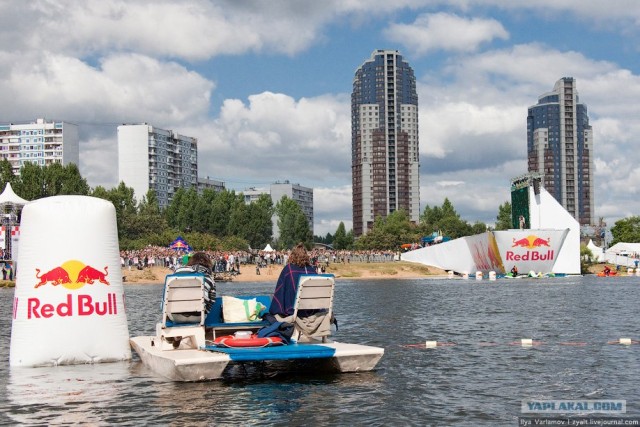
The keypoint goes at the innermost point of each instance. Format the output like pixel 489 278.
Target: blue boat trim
pixel 283 352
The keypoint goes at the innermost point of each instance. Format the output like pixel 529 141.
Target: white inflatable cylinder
pixel 478 275
pixel 450 274
pixel 630 271
pixel 492 275
pixel 465 275
pixel 68 305
pixel 637 271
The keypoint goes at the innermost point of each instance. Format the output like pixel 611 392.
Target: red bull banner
pixel 484 252
pixel 530 250
pixel 69 298
pixel 3 235
pixel 498 251
pixel 15 242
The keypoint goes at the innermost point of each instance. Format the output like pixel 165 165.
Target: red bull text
pixel 72 275
pixel 530 256
pixel 530 242
pixel 81 305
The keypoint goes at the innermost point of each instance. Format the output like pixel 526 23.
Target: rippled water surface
pixel 479 381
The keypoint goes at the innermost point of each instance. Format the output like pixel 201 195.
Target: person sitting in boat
pixel 514 271
pixel 284 296
pixel 607 270
pixel 310 323
pixel 199 262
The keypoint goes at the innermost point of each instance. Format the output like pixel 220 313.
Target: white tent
pixel 8 196
pixel 625 254
pixel 598 253
pixel 624 248
pixel 268 248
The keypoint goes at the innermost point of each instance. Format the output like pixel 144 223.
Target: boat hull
pixel 198 365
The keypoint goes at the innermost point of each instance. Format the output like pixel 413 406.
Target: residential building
pixel 384 140
pixel 560 148
pixel 151 158
pixel 303 196
pixel 215 185
pixel 40 142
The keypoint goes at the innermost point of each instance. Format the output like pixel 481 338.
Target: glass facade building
pixel 560 148
pixel 384 140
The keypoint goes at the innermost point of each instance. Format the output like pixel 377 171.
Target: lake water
pixel 479 381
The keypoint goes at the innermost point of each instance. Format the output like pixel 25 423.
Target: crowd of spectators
pixel 230 261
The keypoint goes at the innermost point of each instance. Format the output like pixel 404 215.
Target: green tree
pixel 389 232
pixel 292 223
pixel 126 209
pixel 60 180
pixel 478 228
pixel 340 240
pixel 626 230
pixel 503 220
pixel 446 220
pixel 221 207
pixel 259 228
pixel 6 174
pixel 149 219
pixel 586 258
pixel 30 184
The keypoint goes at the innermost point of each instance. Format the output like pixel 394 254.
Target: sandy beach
pixel 388 270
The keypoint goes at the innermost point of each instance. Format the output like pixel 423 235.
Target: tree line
pixel 223 221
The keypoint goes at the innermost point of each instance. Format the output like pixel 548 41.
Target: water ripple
pixel 481 380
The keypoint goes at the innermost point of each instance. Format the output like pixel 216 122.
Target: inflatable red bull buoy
pixel 68 305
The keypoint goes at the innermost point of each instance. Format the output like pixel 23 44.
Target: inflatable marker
pixel 68 305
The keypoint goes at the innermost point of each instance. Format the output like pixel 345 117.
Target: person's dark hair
pixel 200 258
pixel 299 256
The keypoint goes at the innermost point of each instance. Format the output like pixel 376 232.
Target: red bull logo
pixel 531 242
pixel 72 274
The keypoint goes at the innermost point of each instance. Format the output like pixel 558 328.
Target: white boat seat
pixel 183 295
pixel 315 292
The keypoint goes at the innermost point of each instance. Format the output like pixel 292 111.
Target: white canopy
pixel 268 248
pixel 8 196
pixel 625 248
pixel 597 252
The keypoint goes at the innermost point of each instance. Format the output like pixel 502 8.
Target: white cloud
pixel 110 62
pixel 442 31
pixel 276 137
pixel 123 88
pixel 331 206
pixel 190 29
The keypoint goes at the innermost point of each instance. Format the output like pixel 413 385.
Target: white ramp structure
pixel 550 245
pixel 546 212
pixel 68 305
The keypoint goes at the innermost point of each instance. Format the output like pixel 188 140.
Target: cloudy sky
pixel 265 86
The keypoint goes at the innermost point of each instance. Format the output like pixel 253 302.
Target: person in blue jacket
pixel 284 296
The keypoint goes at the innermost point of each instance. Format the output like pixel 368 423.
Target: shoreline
pixel 355 271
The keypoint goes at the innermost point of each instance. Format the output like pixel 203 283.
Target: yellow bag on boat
pixel 237 310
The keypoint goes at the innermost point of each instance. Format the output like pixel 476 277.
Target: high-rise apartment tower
pixel 560 148
pixel 151 158
pixel 384 140
pixel 39 142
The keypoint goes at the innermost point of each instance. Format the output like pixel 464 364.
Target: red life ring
pixel 254 341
